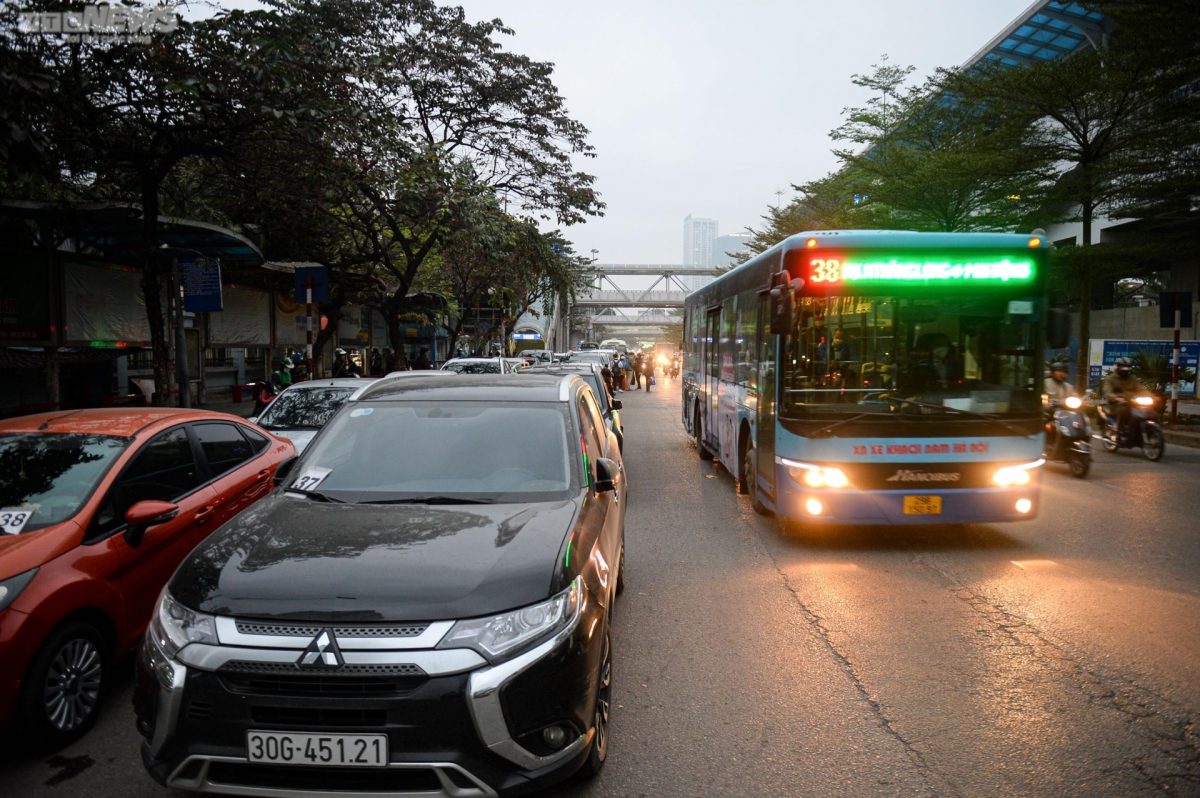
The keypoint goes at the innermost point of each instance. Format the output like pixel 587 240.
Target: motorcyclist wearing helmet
pixel 1056 386
pixel 1121 388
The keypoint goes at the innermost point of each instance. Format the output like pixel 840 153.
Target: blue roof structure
pixel 1047 30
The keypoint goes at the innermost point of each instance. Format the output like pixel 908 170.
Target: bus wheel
pixel 699 427
pixel 749 481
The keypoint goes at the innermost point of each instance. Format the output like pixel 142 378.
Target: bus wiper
pixel 431 500
pixel 975 414
pixel 312 494
pixel 824 431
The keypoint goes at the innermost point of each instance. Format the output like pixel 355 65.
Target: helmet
pixel 1123 365
pixel 1060 366
pixel 339 351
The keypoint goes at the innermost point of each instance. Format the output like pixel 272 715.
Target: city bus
pixel 876 377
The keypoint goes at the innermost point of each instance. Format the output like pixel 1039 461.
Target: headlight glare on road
pixel 174 626
pixel 815 476
pixel 1015 475
pixel 503 634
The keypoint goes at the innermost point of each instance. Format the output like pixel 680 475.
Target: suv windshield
pixel 304 408
pixel 51 474
pixel 469 450
pixel 876 354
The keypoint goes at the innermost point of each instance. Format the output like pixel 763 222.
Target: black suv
pixel 424 605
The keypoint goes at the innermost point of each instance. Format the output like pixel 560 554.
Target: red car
pixel 97 509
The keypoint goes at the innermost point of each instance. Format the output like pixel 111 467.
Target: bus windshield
pixel 850 355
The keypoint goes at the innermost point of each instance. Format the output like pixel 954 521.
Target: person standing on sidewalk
pixel 648 371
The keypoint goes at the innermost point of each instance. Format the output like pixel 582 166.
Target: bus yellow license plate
pixel 922 505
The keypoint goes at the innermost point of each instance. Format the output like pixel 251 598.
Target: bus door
pixel 764 425
pixel 712 371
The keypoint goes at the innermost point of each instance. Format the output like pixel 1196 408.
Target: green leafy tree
pixel 115 119
pixel 1092 112
pixel 928 159
pixel 464 118
pixel 826 204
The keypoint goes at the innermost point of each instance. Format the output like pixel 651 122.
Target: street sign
pixel 201 284
pixel 320 283
pixel 1104 354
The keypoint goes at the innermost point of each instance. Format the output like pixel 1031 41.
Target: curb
pixel 1189 439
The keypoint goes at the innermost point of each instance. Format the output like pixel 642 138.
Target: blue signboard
pixel 1104 354
pixel 319 276
pixel 532 336
pixel 201 284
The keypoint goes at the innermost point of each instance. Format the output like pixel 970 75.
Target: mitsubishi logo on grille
pixel 322 652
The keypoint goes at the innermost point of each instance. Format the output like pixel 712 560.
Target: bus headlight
pixel 815 476
pixel 1015 475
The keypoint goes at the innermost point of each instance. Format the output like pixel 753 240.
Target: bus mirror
pixel 781 310
pixel 1058 328
pixel 781 304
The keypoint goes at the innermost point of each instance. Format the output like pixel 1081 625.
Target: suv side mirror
pixel 1058 328
pixel 617 404
pixel 606 471
pixel 282 470
pixel 144 515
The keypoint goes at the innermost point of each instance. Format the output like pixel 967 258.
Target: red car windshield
pixel 46 477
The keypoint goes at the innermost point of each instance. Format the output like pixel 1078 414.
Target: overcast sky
pixel 708 107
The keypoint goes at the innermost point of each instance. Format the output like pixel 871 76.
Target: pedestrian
pixel 648 373
pixel 623 373
pixel 376 362
pixel 342 367
pixel 422 362
pixel 636 364
pixel 607 375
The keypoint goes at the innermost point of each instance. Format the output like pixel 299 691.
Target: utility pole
pixel 181 368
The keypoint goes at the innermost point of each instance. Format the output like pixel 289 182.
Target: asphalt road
pixel 1051 658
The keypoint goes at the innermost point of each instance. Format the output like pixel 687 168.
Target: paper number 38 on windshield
pixel 311 478
pixel 13 520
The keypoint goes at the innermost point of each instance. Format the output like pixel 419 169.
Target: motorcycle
pixel 1067 436
pixel 1141 429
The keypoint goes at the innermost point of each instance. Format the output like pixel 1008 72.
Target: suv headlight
pixel 174 626
pixel 500 635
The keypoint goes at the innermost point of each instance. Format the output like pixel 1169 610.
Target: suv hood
pixel 303 560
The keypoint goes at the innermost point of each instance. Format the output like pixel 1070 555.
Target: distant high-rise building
pixel 698 235
pixel 724 248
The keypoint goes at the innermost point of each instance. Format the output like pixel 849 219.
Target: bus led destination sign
pixel 895 270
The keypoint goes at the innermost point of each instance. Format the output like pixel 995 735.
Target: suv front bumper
pixel 461 729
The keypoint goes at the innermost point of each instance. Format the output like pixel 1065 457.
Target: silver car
pixel 299 412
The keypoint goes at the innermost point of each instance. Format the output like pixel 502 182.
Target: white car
pixel 300 410
pixel 478 365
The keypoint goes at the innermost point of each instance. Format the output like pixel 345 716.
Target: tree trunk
pixel 397 361
pixel 1085 305
pixel 152 291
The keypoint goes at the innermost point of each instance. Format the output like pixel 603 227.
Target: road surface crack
pixel 1167 727
pixel 817 624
